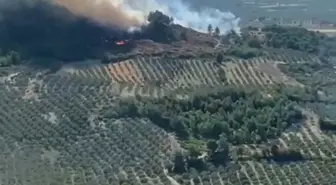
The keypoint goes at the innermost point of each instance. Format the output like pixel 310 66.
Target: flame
pixel 119 43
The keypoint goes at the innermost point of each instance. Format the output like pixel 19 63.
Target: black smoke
pixel 48 32
pixel 45 31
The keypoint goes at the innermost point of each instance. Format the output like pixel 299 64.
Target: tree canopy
pixel 221 117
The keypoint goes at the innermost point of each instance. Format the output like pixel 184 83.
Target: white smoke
pixel 132 13
pixel 199 20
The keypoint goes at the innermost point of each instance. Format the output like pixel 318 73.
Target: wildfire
pixel 119 43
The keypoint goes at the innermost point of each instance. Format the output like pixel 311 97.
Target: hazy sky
pixel 297 9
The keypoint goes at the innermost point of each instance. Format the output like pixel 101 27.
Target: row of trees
pixel 212 31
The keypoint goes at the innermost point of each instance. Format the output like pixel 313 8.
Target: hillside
pixel 87 104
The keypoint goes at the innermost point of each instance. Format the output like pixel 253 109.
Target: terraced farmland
pixel 256 72
pixel 155 70
pixel 158 77
pixel 57 128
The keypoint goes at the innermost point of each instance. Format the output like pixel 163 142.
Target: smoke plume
pixel 128 14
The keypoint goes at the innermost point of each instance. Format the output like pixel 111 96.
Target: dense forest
pixel 300 39
pixel 228 116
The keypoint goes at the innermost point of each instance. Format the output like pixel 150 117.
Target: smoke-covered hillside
pixel 45 31
pixel 77 30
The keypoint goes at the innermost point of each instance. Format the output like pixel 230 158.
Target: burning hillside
pixel 46 30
